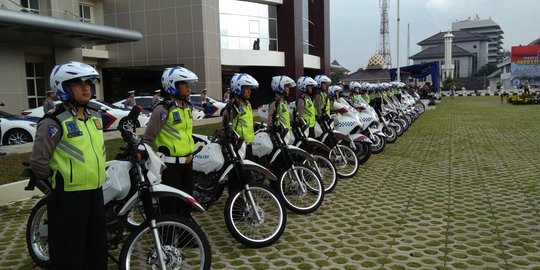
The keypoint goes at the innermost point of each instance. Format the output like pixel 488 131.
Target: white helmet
pixel 354 85
pixel 332 90
pixel 242 79
pixel 171 76
pixel 304 81
pixel 72 71
pixel 322 79
pixel 279 83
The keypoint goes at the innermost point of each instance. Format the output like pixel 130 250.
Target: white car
pixel 17 129
pixel 110 114
pixel 146 103
pixel 213 107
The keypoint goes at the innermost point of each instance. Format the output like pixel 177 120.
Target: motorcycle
pixel 318 151
pixel 299 186
pixel 343 157
pixel 253 213
pixel 159 241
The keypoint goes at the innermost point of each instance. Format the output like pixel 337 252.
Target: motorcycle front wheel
pixel 378 144
pixel 301 189
pixel 345 161
pixel 391 134
pixel 363 151
pixel 37 234
pixel 327 172
pixel 255 223
pixel 183 243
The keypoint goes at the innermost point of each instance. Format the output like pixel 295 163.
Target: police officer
pixel 130 101
pixel 156 98
pixel 304 104
pixel 48 103
pixel 278 110
pixel 238 112
pixel 322 101
pixel 69 148
pixel 354 88
pixel 169 132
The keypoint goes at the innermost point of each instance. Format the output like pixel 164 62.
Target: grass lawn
pixel 11 167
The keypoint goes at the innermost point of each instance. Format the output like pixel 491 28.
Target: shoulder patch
pixel 162 116
pixel 53 130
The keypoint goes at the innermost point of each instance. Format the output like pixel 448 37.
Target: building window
pixel 85 12
pixel 35 84
pixel 244 24
pixel 31 5
pixel 456 68
pixel 305 25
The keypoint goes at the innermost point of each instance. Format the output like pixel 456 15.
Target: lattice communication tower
pixel 384 38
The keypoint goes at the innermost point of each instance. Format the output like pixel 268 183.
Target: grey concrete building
pixel 35 35
pixel 487 28
pixel 215 39
pixel 131 42
pixel 469 52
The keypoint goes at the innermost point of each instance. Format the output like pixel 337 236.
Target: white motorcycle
pixel 253 213
pixel 362 121
pixel 299 186
pixel 133 184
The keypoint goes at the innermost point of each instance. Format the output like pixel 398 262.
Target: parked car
pixel 213 107
pixel 17 129
pixel 110 114
pixel 146 103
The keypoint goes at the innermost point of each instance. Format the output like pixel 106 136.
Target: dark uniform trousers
pixel 77 232
pixel 179 176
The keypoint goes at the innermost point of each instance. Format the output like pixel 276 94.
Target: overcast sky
pixel 354 24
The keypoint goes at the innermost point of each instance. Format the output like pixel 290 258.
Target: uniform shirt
pixel 318 102
pixel 48 134
pixel 155 100
pixel 272 109
pixel 130 102
pixel 238 124
pixel 48 104
pixel 158 119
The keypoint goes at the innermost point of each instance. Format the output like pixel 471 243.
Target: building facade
pixel 38 34
pixel 215 39
pixel 487 28
pixel 131 42
pixel 469 52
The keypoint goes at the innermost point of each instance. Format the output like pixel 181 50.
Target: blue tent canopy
pixel 419 71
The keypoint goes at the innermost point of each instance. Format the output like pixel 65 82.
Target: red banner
pixel 526 55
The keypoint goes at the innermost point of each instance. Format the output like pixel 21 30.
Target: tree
pixel 486 70
pixel 336 76
pixel 449 82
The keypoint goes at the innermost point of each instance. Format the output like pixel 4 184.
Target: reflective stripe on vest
pixel 79 156
pixel 176 133
pixel 283 115
pixel 243 122
pixel 309 112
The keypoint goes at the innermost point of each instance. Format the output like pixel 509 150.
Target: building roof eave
pixel 12 23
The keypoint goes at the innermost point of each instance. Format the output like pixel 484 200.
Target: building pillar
pixel 319 32
pixel 289 17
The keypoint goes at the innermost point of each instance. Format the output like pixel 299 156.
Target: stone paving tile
pixel 459 190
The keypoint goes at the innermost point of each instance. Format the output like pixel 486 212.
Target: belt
pixel 178 160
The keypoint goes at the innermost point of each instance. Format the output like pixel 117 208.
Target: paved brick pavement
pixel 459 190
